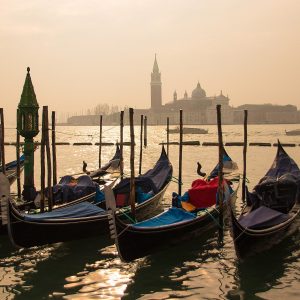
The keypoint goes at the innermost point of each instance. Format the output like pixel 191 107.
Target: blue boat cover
pixel 69 189
pixel 83 209
pixel 262 217
pixel 171 216
pixel 13 164
pixel 153 180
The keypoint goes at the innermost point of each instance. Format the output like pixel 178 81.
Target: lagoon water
pixel 91 269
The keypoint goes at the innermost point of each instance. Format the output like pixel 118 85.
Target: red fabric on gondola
pixel 203 193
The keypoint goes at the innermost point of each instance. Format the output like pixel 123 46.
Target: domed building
pixel 198 92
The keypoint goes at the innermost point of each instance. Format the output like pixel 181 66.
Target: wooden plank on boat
pixel 62 143
pixel 104 144
pixel 186 143
pixel 210 144
pixel 82 144
pixel 14 143
pixel 234 144
pixel 260 144
pixel 125 144
pixel 191 143
pixel 285 144
pixel 170 143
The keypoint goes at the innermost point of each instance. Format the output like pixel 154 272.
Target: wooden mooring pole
pixel 18 165
pixel 100 142
pixel 2 150
pixel 145 132
pixel 180 151
pixel 121 143
pixel 48 155
pixel 168 132
pixel 245 156
pixel 141 145
pixel 42 204
pixel 53 135
pixel 132 175
pixel 220 173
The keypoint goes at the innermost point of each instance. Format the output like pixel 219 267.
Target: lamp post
pixel 28 127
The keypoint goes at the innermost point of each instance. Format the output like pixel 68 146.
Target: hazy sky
pixel 85 52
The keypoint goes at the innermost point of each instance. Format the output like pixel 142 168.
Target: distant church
pixel 197 108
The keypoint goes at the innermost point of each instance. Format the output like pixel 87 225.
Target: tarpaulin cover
pixel 152 180
pixel 83 209
pixel 13 164
pixel 283 164
pixel 171 216
pixel 278 188
pixel 69 189
pixel 215 171
pixel 203 193
pixel 262 217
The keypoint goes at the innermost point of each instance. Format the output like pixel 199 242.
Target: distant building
pixel 267 113
pixel 197 109
pixel 156 100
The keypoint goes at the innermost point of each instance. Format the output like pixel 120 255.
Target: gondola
pixel 110 167
pixel 271 209
pixel 293 132
pixel 11 169
pixel 84 219
pixel 174 225
pixel 87 188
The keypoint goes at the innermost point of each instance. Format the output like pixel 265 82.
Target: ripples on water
pixel 91 269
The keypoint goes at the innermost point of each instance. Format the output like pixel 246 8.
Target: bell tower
pixel 155 87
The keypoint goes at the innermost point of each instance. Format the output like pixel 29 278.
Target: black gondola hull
pixel 26 234
pixel 250 242
pixel 133 242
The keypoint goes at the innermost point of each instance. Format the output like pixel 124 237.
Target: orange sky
pixel 85 52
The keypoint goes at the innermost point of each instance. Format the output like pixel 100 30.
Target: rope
pixel 127 216
pixel 240 234
pixel 217 223
pixel 176 180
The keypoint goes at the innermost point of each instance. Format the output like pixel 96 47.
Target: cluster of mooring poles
pixel 28 127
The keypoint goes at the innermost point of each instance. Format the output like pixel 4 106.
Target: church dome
pixel 198 92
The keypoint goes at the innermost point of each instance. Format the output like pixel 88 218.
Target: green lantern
pixel 28 127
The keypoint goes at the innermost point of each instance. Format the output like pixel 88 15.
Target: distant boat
pixel 189 130
pixel 293 132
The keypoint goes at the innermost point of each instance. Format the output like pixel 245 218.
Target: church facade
pixel 198 108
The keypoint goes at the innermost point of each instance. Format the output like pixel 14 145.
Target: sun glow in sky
pixel 85 52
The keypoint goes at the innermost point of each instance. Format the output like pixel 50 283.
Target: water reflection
pixel 90 269
pixel 197 269
pixel 257 276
